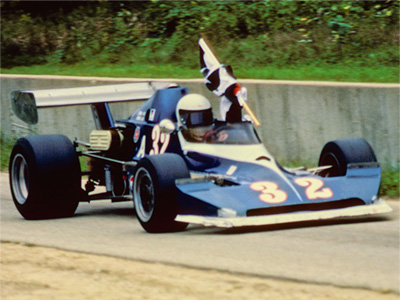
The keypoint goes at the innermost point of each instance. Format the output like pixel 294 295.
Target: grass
pixel 321 72
pixel 390 182
pixel 107 70
pixel 343 73
pixel 5 152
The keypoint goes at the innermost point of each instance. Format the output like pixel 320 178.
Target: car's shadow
pixel 111 210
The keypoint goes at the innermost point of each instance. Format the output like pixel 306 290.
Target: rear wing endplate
pixel 26 102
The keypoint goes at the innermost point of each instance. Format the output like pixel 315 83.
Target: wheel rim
pixel 20 179
pixel 144 195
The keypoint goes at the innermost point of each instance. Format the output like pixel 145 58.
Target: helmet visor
pixel 197 118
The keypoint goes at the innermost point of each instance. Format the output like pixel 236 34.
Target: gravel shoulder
pixel 33 272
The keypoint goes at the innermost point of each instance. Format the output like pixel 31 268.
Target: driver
pixel 194 112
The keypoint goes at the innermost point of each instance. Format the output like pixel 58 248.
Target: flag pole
pixel 248 110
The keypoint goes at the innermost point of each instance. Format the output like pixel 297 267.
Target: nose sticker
pixel 231 170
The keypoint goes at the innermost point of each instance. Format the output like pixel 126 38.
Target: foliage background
pixel 244 33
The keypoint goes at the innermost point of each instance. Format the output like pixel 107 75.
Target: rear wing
pixel 26 102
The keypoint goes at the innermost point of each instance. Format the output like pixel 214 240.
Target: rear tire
pixel 154 192
pixel 45 177
pixel 340 153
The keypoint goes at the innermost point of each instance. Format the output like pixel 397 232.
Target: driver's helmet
pixel 194 112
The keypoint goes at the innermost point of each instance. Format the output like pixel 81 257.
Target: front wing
pixel 379 207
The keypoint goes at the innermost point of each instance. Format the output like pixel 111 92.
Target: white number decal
pixel 314 188
pixel 269 192
pixel 141 153
pixel 158 138
pixel 155 136
pixel 164 141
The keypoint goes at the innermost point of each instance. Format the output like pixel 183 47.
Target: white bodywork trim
pixel 243 153
pixel 379 207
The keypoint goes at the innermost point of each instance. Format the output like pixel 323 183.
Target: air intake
pixel 105 140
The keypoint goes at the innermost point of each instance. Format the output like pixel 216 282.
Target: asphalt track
pixel 362 252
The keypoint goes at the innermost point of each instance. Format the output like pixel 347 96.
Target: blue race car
pixel 180 165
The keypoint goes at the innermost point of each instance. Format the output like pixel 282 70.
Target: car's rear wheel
pixel 154 192
pixel 340 153
pixel 45 177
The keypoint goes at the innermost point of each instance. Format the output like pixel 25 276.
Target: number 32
pixel 158 138
pixel 270 192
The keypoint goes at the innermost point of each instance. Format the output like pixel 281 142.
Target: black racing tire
pixel 340 153
pixel 45 177
pixel 154 192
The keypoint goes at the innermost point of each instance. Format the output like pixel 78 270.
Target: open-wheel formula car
pixel 179 165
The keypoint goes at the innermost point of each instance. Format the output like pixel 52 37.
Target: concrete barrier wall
pixel 297 118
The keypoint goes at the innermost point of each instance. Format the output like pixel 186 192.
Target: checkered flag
pixel 218 77
pixel 220 80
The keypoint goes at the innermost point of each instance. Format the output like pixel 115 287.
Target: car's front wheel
pixel 154 192
pixel 340 153
pixel 45 177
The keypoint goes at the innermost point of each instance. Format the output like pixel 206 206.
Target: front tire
pixel 45 177
pixel 340 153
pixel 154 192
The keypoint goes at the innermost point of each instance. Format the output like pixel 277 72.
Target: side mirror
pixel 24 106
pixel 167 126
